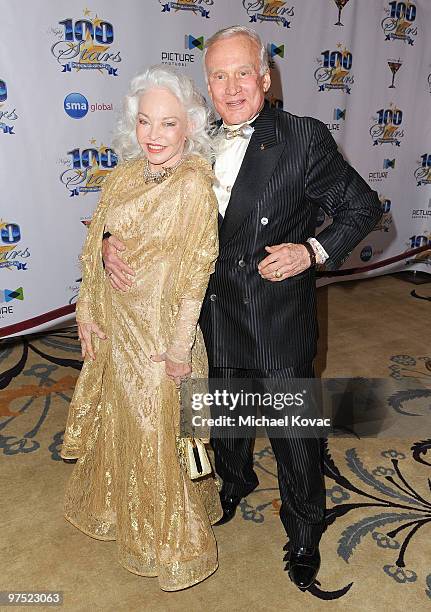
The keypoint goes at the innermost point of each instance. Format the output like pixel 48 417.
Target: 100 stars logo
pixel 85 44
pixel 87 168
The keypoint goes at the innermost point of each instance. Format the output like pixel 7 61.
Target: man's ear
pixel 266 81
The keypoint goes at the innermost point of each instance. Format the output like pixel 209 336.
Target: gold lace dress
pixel 127 484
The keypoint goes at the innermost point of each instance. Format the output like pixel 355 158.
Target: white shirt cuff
pixel 321 254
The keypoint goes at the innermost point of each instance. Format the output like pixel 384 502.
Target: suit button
pixel 241 263
pixel 246 300
pixel 264 221
pixel 213 297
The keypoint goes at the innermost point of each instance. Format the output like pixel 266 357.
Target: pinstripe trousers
pixel 299 460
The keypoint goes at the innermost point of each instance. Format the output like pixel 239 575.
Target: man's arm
pixel 343 194
pixel 115 268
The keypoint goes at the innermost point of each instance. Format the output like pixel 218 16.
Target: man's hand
pixel 175 371
pixel 284 260
pixel 115 268
pixel 84 332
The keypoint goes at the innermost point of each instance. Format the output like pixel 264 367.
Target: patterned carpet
pixel 375 551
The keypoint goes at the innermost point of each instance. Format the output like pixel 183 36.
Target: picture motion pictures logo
pixel 339 115
pixel 379 176
pixel 422 213
pixel 275 50
pixel 9 295
pixel 181 59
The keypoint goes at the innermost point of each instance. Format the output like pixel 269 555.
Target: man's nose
pixel 232 86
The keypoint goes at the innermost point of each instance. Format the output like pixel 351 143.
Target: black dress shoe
pixel 286 548
pixel 229 505
pixel 303 565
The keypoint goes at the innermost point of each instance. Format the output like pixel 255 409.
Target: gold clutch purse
pixel 194 457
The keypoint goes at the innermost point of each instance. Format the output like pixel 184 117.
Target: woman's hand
pixel 84 332
pixel 175 371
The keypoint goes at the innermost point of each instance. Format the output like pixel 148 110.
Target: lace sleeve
pixel 91 259
pixel 199 257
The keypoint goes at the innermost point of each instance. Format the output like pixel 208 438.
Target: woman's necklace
pixel 160 175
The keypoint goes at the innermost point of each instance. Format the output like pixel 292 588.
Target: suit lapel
pixel 261 157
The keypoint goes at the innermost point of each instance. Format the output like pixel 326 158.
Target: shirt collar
pixel 238 125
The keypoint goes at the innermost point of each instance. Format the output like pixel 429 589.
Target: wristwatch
pixel 106 235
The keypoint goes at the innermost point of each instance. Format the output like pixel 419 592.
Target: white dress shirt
pixel 229 159
pixel 228 162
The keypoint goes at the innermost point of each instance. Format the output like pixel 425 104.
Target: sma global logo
pixel 76 105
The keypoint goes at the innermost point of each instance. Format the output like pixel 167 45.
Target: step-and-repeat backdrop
pixel 363 67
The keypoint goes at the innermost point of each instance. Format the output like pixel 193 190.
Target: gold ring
pixel 278 274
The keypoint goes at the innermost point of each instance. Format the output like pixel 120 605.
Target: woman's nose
pixel 154 132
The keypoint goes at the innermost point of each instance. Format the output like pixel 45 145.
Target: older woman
pixel 128 484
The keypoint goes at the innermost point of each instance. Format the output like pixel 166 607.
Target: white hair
pixel 198 140
pixel 243 31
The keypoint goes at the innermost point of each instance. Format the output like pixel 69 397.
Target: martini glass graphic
pixel 394 66
pixel 340 4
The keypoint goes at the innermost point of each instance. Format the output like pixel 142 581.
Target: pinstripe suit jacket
pixel 291 167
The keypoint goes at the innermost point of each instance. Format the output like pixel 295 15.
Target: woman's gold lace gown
pixel 127 484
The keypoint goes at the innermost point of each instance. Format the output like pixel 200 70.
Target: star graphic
pixel 92 141
pixel 87 12
pixel 97 21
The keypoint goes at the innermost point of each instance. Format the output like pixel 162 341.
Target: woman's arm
pixel 91 258
pixel 200 253
pixel 200 231
pixel 92 278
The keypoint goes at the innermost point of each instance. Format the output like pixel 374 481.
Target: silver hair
pixel 198 141
pixel 243 31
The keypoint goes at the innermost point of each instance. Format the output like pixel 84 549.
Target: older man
pixel 259 321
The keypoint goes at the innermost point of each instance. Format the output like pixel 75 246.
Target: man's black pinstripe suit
pixel 254 328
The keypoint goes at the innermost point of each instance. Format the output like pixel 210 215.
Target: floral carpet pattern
pixel 378 491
